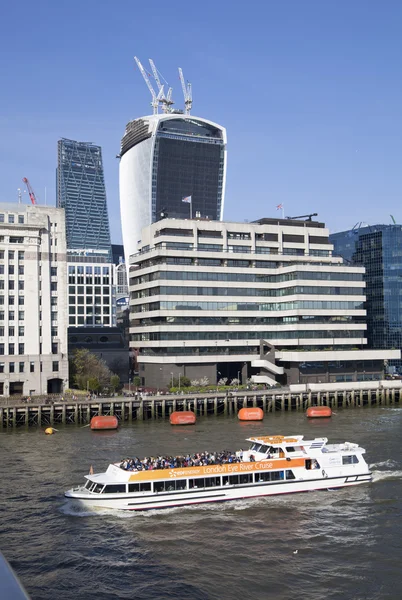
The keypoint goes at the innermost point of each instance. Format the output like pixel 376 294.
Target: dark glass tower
pixel 81 192
pixel 379 249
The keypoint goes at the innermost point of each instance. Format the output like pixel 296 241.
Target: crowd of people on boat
pixel 202 459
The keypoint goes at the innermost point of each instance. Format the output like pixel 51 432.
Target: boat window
pixel 290 474
pixel 133 487
pixel 256 447
pixel 88 484
pixel 180 484
pixel 145 487
pixel 115 489
pixel 98 488
pixel 350 460
pixel 263 449
pixel 246 478
pixel 230 480
pixel 93 486
pixel 269 476
pixel 212 481
pixel 290 449
pixel 164 486
pixel 196 483
pixel 308 464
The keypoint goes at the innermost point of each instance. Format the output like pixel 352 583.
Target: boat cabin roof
pixel 276 440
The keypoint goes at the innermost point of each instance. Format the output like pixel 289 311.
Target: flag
pixel 91 470
pixel 279 206
pixel 187 199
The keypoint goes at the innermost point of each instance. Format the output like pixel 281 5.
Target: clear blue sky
pixel 310 92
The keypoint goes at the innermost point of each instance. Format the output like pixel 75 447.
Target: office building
pixel 33 300
pixel 81 192
pixel 378 249
pixel 163 159
pixel 91 291
pixel 266 301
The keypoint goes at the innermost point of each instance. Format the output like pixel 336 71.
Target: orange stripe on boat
pixel 229 469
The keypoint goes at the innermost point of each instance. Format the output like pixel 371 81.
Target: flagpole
pixel 191 208
pixel 283 212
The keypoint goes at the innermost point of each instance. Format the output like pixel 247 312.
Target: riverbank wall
pixel 80 412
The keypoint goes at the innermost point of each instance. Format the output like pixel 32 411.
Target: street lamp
pixel 238 376
pixel 179 381
pixel 172 378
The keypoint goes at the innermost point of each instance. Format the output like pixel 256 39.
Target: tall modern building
pixel 264 300
pixel 379 249
pixel 163 159
pixel 81 192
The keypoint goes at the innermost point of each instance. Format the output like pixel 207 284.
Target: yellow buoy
pixel 49 430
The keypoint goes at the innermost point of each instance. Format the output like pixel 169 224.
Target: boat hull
pixel 168 500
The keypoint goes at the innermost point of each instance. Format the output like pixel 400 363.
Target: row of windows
pixel 89 290
pixel 88 320
pixel 240 249
pixel 256 278
pixel 12 254
pixel 11 315
pixel 12 349
pixel 20 366
pixel 11 218
pixel 11 300
pixel 217 262
pixel 88 270
pixel 254 306
pixel 97 310
pixel 235 350
pixel 88 300
pixel 172 485
pixel 88 279
pixel 11 270
pixel 195 320
pixel 247 291
pixel 11 284
pixel 12 330
pixel 244 335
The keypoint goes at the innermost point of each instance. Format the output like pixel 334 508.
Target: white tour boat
pixel 272 465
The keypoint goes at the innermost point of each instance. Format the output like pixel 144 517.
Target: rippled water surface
pixel 336 545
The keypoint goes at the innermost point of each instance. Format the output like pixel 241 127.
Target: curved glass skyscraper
pixel 163 159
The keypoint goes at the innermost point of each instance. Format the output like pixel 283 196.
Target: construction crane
pixel 187 93
pixel 307 217
pixel 165 100
pixel 30 190
pixel 156 99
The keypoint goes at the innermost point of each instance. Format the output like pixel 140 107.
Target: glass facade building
pixel 379 249
pixel 163 159
pixel 81 192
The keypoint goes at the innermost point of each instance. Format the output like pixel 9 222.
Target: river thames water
pixel 348 542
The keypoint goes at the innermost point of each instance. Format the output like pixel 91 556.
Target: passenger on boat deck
pixel 202 459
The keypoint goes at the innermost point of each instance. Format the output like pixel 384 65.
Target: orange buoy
pixel 251 414
pixel 185 417
pixel 104 422
pixel 318 411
